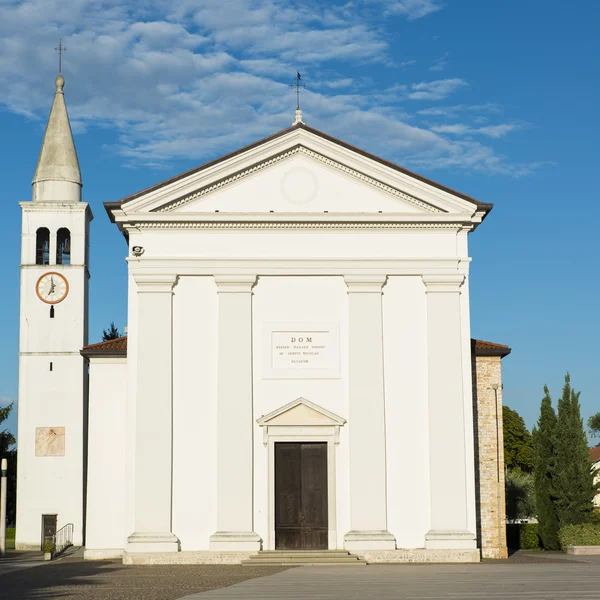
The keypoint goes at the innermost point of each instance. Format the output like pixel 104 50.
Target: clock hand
pixel 52 286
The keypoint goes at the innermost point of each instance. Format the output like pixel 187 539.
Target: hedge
pixel 587 534
pixel 522 536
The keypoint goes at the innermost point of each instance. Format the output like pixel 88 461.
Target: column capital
pixel 364 284
pixel 439 284
pixel 234 284
pixel 148 283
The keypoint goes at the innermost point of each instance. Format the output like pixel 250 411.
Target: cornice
pixel 298 149
pixel 283 224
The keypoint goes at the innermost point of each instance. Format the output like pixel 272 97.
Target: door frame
pixel 306 435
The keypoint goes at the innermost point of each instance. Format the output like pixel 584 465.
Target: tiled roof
pixel 116 347
pixel 594 454
pixel 490 349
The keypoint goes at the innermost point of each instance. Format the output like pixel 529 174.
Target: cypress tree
pixel 573 480
pixel 544 442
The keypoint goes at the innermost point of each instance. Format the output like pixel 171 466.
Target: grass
pixel 10 539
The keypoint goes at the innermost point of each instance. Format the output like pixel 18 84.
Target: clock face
pixel 52 288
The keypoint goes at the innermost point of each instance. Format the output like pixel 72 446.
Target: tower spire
pixel 57 175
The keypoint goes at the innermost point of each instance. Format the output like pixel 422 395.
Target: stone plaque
pixel 49 441
pixel 301 351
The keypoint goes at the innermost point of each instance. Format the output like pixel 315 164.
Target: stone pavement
pixel 547 580
pixel 526 576
pixel 15 561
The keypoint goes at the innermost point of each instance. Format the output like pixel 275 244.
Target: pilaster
pixel 368 493
pixel 447 432
pixel 235 528
pixel 153 416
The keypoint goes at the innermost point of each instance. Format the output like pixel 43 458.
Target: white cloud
pixel 493 131
pixel 192 80
pixel 440 63
pixel 412 9
pixel 435 90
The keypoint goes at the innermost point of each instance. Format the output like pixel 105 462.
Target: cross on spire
pixel 298 84
pixel 60 49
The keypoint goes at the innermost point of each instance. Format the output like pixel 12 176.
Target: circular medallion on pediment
pixel 299 186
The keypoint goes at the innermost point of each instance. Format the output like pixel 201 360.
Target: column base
pixel 450 540
pixel 235 540
pixel 152 542
pixel 369 540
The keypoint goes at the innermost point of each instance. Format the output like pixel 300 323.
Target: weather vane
pixel 298 84
pixel 60 49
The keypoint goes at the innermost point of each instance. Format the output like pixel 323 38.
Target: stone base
pixel 152 542
pixel 583 550
pixel 235 541
pixel 369 540
pixel 420 555
pixel 102 553
pixel 201 557
pixel 28 547
pixel 450 540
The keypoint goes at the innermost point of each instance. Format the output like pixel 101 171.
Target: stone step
pixel 349 563
pixel 303 557
pixel 314 553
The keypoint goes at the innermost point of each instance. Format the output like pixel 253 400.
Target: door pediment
pixel 301 412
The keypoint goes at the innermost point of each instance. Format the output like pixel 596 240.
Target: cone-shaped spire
pixel 57 176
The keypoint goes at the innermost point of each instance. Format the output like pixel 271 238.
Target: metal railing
pixel 63 538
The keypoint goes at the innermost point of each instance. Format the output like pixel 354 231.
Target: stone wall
pixel 489 456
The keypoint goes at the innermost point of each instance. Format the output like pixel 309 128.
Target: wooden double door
pixel 301 495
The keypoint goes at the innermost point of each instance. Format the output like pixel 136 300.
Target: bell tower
pixel 52 398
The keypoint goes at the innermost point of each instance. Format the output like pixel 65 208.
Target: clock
pixel 52 288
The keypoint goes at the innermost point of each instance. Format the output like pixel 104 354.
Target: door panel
pixel 301 496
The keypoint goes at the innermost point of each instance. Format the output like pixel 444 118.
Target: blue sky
pixel 495 98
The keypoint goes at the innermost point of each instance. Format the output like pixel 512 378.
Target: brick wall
pixel 489 456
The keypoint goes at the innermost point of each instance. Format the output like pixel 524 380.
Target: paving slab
pixel 552 580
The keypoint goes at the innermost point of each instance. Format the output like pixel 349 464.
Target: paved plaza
pixel 524 577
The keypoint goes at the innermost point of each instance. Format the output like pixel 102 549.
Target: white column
pixel 235 530
pixel 368 494
pixel 447 431
pixel 153 417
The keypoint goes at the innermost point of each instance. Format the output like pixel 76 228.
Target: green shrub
pixel 528 536
pixel 522 536
pixel 48 546
pixel 587 534
pixel 10 538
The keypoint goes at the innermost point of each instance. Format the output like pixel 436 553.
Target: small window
pixel 63 246
pixel 42 246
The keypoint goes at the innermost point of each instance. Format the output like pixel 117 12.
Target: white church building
pixel 298 372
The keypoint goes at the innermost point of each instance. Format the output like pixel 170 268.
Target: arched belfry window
pixel 63 246
pixel 42 246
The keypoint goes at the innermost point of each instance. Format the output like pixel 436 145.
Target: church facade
pixel 298 371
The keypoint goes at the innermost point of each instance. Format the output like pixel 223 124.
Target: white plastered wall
pixel 107 439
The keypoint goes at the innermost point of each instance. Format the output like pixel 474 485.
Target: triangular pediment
pixel 298 171
pixel 301 412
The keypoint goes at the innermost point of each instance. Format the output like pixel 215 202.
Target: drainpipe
pixel 498 487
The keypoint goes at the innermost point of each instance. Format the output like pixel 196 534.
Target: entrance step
pixel 273 558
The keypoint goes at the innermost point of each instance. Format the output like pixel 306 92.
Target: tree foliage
pixel 573 480
pixel 518 447
pixel 7 441
pixel 594 424
pixel 520 495
pixel 544 443
pixel 112 333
